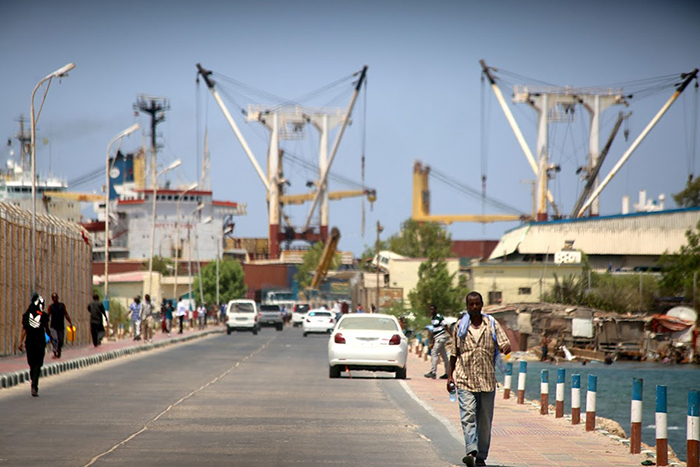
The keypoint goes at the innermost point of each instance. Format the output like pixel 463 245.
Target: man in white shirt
pixel 181 312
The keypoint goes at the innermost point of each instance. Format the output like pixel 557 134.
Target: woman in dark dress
pixel 35 327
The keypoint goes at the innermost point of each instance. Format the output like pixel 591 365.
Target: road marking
pixel 172 406
pixel 450 428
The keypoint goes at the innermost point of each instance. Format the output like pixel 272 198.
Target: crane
pixel 324 264
pixel 420 211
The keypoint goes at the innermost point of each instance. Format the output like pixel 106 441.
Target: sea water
pixel 614 395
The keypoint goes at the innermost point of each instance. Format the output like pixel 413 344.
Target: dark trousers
pixel 57 341
pixel 96 330
pixel 35 358
pixel 182 320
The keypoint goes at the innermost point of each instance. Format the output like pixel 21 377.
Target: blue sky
pixel 423 100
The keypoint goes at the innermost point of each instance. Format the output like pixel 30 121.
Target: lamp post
pixel 172 166
pixel 121 135
pixel 206 221
pixel 60 73
pixel 379 230
pixel 177 235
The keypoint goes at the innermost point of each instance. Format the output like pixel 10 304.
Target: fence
pixel 63 263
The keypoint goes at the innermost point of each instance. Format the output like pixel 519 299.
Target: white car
pixel 299 314
pixel 242 315
pixel 319 320
pixel 371 342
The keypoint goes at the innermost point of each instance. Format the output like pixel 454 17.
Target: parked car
pixel 319 321
pixel 242 315
pixel 299 313
pixel 271 315
pixel 371 342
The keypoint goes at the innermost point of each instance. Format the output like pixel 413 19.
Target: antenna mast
pixel 156 108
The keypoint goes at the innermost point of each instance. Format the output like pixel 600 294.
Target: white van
pixel 242 315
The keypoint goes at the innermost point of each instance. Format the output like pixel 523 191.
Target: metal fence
pixel 64 266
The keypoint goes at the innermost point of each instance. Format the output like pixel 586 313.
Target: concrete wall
pixel 518 282
pixel 403 273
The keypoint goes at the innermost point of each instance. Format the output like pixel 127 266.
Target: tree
pixel 162 265
pixel 677 269
pixel 231 283
pixel 689 197
pixel 436 286
pixel 421 240
pixel 311 259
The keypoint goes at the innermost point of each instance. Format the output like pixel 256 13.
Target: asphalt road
pixel 246 400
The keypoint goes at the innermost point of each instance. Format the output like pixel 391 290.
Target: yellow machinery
pixel 81 197
pixel 420 210
pixel 324 264
pixel 332 195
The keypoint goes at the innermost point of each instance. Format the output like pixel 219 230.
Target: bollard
pixel 636 418
pixel 575 399
pixel 521 382
pixel 507 380
pixel 590 402
pixel 544 393
pixel 693 431
pixel 661 427
pixel 561 377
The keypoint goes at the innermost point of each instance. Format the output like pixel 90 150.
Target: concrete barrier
pixel 544 392
pixel 561 387
pixel 591 395
pixel 575 399
pixel 661 427
pixel 693 430
pixel 636 416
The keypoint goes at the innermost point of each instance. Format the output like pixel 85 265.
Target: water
pixel 614 395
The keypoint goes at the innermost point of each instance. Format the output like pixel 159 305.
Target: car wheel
pixel 401 373
pixel 334 372
pixel 228 330
pixel 306 334
pixel 255 331
pixel 280 327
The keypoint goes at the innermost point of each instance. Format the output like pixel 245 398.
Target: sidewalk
pixel 14 370
pixel 521 437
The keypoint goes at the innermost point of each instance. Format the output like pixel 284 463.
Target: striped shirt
pixel 474 369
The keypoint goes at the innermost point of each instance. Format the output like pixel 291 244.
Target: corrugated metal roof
pixel 635 234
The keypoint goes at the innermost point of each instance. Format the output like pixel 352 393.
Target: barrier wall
pixel 64 266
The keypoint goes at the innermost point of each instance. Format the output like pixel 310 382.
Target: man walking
pixel 473 353
pixel 181 312
pixel 59 315
pixel 97 313
pixel 35 326
pixel 438 343
pixel 147 319
pixel 135 310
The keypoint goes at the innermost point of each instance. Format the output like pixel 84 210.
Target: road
pixel 262 400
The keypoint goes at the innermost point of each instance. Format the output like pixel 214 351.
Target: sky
pixel 424 97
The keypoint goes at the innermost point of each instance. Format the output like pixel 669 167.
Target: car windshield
pixel 302 309
pixel 321 314
pixel 367 323
pixel 269 308
pixel 242 308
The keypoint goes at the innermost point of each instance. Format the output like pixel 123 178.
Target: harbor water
pixel 614 394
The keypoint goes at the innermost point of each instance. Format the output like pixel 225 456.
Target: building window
pixel 524 291
pixel 495 297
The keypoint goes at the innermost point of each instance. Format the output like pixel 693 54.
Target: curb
pixel 8 380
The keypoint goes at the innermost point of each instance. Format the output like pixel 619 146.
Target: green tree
pixel 421 240
pixel 689 197
pixel 231 283
pixel 311 258
pixel 436 286
pixel 677 269
pixel 164 266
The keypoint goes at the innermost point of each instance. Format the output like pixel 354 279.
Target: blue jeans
pixel 476 414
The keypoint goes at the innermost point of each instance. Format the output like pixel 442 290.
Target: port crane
pixel 278 120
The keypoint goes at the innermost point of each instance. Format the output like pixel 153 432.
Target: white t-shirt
pixel 181 309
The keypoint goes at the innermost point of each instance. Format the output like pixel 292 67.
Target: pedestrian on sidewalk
pixel 147 320
pixel 181 312
pixel 135 310
pixel 168 317
pixel 97 314
pixel 202 315
pixel 473 353
pixel 163 312
pixel 438 343
pixel 58 315
pixel 35 327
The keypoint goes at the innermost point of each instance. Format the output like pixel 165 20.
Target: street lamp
pixel 60 73
pixel 121 135
pixel 206 221
pixel 153 229
pixel 177 235
pixel 380 228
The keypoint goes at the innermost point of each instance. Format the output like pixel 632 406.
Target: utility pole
pixel 379 230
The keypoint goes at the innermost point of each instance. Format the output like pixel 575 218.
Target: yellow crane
pixel 332 195
pixel 420 210
pixel 81 197
pixel 324 264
